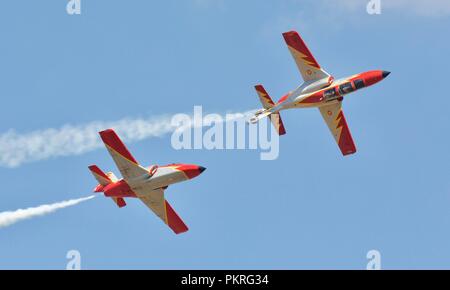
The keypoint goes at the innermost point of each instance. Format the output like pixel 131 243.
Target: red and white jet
pixel 147 184
pixel 319 90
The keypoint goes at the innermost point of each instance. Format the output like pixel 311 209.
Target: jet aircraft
pixel 146 183
pixel 319 90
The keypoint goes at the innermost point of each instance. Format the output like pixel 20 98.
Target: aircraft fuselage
pixel 326 91
pixel 161 177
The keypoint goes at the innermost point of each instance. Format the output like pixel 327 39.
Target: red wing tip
pixel 182 231
pixel 260 89
pixel 289 33
pixel 174 221
pixel 107 132
pixel 112 140
pixel 108 135
pixel 98 171
pixel 349 153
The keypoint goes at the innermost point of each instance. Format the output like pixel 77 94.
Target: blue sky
pixel 310 208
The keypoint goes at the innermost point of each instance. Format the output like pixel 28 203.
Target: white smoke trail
pixel 16 149
pixel 8 218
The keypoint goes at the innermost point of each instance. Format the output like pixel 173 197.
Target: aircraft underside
pixel 318 90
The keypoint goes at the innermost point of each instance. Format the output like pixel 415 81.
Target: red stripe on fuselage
pixel 314 98
pixel 283 98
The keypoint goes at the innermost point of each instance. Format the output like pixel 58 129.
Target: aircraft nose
pixel 191 170
pixel 385 74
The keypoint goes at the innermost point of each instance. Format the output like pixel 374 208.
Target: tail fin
pixel 264 97
pixel 267 103
pixel 103 180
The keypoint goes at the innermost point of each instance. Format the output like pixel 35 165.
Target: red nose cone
pixel 373 77
pixel 191 171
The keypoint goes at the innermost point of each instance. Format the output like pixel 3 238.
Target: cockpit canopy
pixel 359 84
pixel 346 88
pixel 330 95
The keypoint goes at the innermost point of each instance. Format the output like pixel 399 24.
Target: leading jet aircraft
pixel 320 90
pixel 146 183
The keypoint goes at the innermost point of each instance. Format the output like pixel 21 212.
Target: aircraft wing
pixel 127 165
pixel 306 63
pixel 154 200
pixel 334 117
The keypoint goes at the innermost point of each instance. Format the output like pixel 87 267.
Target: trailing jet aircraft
pixel 147 184
pixel 320 90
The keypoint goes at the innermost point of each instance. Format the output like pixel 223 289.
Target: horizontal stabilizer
pixel 268 103
pixel 277 123
pixel 264 97
pixel 101 177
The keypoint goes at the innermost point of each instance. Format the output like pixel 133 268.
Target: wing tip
pixel 292 37
pixel 107 135
pixel 112 140
pixel 174 221
pixel 182 231
pixel 290 33
pixel 296 42
pixel 350 152
pixel 260 89
pixel 346 143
